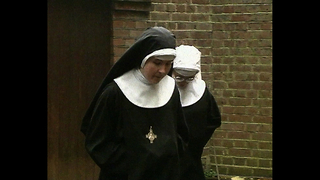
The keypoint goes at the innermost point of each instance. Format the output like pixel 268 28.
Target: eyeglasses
pixel 180 79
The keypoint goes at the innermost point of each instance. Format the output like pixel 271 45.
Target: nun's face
pixel 182 81
pixel 155 69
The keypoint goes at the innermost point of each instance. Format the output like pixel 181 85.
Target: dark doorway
pixel 79 56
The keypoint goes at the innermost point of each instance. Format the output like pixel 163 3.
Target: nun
pixel 135 127
pixel 199 106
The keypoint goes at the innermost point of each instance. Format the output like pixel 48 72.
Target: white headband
pixel 162 54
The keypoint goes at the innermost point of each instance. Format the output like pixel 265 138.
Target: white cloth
pixel 163 54
pixel 141 93
pixel 192 93
pixel 188 58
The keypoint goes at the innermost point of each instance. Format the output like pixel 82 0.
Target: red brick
pixel 265 163
pixel 218 26
pixel 239 152
pixel 262 34
pixel 227 92
pixel 220 35
pixel 262 85
pixel 239 110
pixel 220 18
pixel 200 1
pixel 251 127
pixel 181 7
pixel 241 43
pixel 160 7
pixel 220 134
pixel 219 51
pixel 242 26
pixel 252 111
pixel 241 17
pixel 159 16
pixel 134 33
pixel 262 119
pixel 267 17
pixel 233 126
pixel 118 42
pixel 219 85
pixel 204 9
pixel 217 9
pixel 266 26
pixel 251 93
pixel 265 77
pixel 262 68
pixel 171 7
pixel 262 51
pixel 263 173
pixel 240 9
pixel 228 143
pixel 265 145
pixel 265 8
pixel 219 68
pixel 121 33
pixel 240 68
pixel 240 171
pixel 191 8
pixel 239 101
pixel 264 128
pixel 255 26
pixel 117 24
pixel 239 118
pixel 252 162
pixel 141 25
pixel 119 51
pixel 240 93
pixel 181 34
pixel 227 160
pixel 240 161
pixel 229 43
pixel 240 76
pixel 204 26
pixel 239 85
pixel 262 153
pixel 240 144
pixel 180 17
pixel 239 35
pixel 252 144
pixel 203 43
pixel 252 77
pixel 266 111
pixel 238 135
pixel 228 9
pixel 230 26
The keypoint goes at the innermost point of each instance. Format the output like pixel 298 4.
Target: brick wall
pixel 235 38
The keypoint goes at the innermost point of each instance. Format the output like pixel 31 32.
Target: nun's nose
pixel 162 69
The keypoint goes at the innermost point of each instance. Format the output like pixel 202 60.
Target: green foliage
pixel 210 173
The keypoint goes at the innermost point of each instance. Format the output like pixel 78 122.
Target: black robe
pixel 202 117
pixel 116 138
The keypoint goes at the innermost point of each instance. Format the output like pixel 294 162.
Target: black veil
pixel 152 39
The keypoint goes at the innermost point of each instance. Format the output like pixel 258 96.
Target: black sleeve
pixel 103 142
pixel 213 117
pixel 182 127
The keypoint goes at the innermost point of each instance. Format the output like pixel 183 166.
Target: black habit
pixel 202 117
pixel 117 130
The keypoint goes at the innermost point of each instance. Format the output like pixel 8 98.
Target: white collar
pixel 142 94
pixel 192 92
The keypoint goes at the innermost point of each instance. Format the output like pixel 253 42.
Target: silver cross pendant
pixel 151 136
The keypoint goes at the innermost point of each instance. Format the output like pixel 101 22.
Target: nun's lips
pixel 159 77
